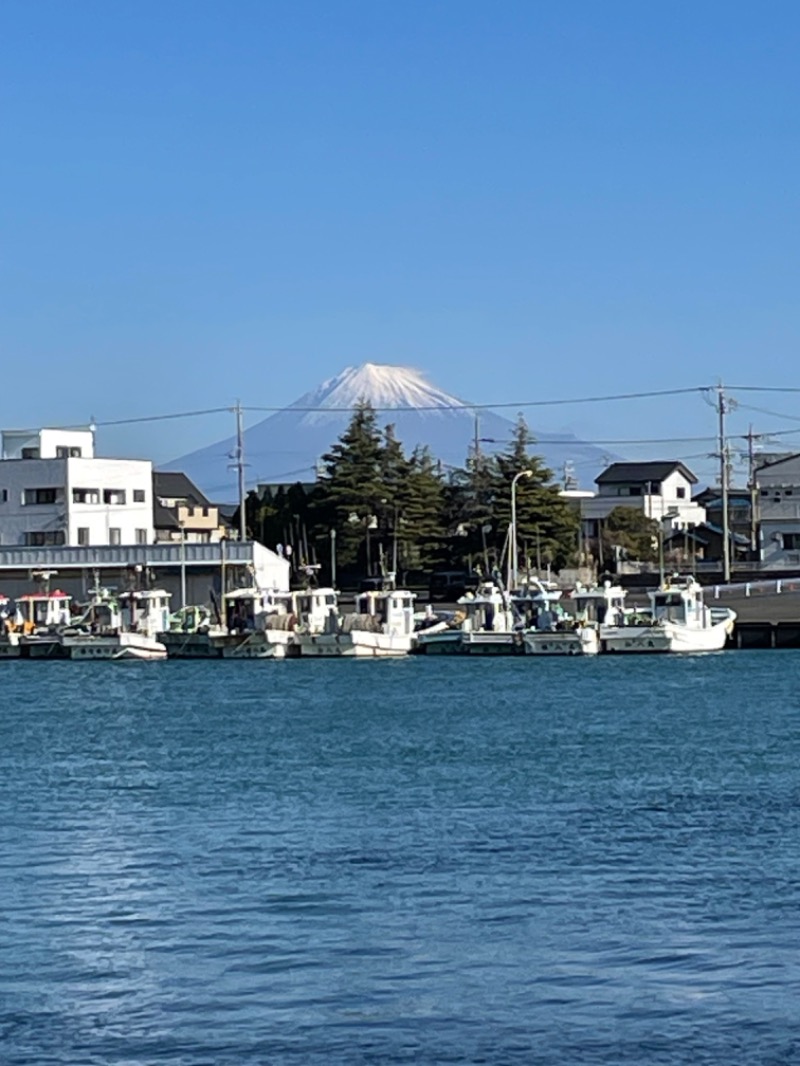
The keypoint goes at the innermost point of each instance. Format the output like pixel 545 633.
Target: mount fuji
pixel 287 446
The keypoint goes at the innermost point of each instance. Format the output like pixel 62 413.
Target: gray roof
pixel 174 485
pixel 618 473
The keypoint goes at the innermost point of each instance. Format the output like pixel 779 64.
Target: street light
pixel 512 562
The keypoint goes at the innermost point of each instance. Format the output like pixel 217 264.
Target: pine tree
pixel 423 521
pixel 547 527
pixel 349 494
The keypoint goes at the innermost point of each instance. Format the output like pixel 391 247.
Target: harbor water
pixel 433 861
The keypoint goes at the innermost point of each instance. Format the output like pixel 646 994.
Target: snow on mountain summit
pixel 378 384
pixel 288 445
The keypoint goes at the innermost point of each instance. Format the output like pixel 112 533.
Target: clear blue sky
pixel 204 200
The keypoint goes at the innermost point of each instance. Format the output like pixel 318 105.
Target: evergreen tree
pixel 547 526
pixel 628 532
pixel 349 494
pixel 423 521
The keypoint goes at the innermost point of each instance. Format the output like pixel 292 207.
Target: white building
pixel 53 491
pixel 778 502
pixel 660 490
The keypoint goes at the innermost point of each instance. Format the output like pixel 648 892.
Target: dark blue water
pixel 551 861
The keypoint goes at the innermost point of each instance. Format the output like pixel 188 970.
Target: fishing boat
pixel 550 630
pixel 679 621
pixel 382 624
pixel 123 627
pixel 259 624
pixel 484 624
pixel 31 628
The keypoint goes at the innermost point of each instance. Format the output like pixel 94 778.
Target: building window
pixel 3 495
pixel 114 536
pixel 141 536
pixel 114 496
pixel 40 496
pixel 635 490
pixel 138 496
pixel 44 538
pixel 86 496
pixel 83 536
pixel 680 492
pixel 63 452
pixel 30 453
pixel 791 542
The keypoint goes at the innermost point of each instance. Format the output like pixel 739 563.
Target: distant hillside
pixel 286 446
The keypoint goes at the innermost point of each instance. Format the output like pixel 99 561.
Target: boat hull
pixel 356 644
pixel 272 644
pixel 577 642
pixel 668 637
pixel 120 647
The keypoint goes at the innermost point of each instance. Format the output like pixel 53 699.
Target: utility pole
pixel 751 484
pixel 239 464
pixel 722 410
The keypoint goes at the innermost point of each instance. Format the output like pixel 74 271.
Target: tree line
pixel 385 509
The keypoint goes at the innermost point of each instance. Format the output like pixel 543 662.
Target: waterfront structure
pixel 778 503
pixel 54 492
pixel 191 573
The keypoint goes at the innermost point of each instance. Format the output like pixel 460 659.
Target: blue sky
pixel 200 201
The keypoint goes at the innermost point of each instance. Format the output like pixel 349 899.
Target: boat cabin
pixel 536 606
pixel 42 610
pixel 247 610
pixel 392 608
pixel 605 606
pixel 145 611
pixel 682 602
pixel 487 610
pixel 317 610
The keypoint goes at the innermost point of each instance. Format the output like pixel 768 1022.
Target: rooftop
pixel 656 471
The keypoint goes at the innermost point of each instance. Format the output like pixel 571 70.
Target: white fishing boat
pixel 382 624
pixel 31 628
pixel 679 621
pixel 259 624
pixel 120 627
pixel 484 624
pixel 549 629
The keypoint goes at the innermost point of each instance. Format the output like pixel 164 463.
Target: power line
pixel 463 406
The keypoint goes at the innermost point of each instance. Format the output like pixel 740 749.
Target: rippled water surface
pixel 417 861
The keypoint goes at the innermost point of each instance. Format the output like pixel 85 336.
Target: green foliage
pixel 385 504
pixel 628 529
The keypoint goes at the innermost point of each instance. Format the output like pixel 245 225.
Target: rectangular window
pixel 62 452
pixel 114 496
pixel 680 492
pixel 3 495
pixel 114 536
pixel 635 490
pixel 40 496
pixel 141 536
pixel 86 496
pixel 791 542
pixel 138 496
pixel 30 453
pixel 44 538
pixel 83 536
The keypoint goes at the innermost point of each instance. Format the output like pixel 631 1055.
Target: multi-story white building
pixel 660 490
pixel 53 491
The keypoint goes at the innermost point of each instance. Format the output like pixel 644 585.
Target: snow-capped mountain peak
pixel 380 385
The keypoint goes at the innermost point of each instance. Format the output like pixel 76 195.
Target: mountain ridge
pixel 287 445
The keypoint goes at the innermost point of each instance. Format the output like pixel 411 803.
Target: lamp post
pixel 512 563
pixel 183 565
